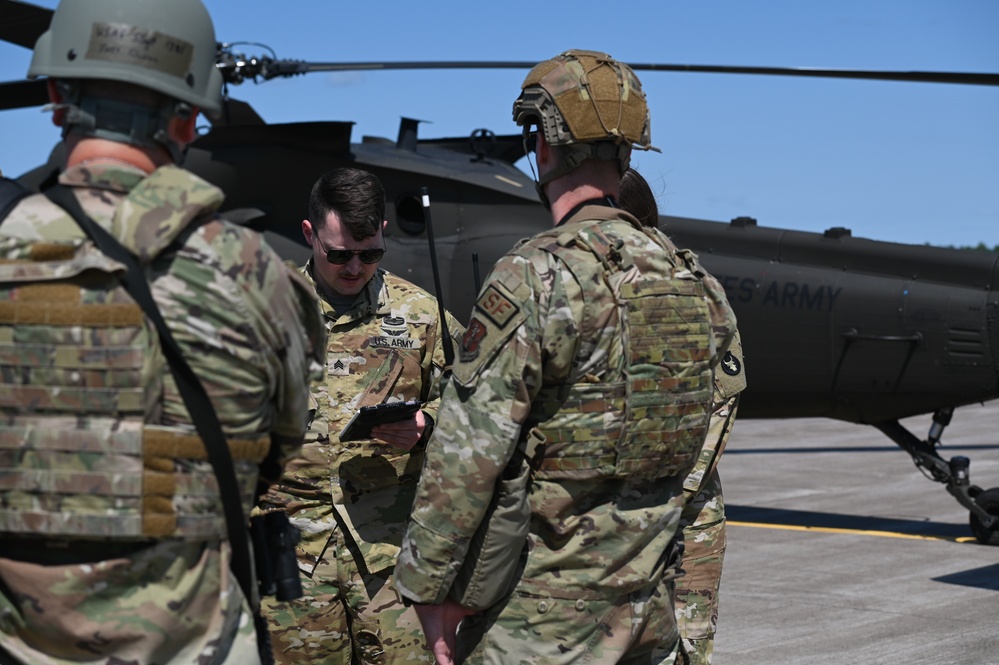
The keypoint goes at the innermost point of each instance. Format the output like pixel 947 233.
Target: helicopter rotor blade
pixel 23 23
pixel 21 94
pixel 268 68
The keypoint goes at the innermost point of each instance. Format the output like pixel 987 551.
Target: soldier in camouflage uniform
pixel 110 512
pixel 590 352
pixel 351 499
pixel 703 518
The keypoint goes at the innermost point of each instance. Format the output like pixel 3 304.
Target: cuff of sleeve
pixel 426 566
pixel 428 429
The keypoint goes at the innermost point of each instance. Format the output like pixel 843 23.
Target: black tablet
pixel 367 417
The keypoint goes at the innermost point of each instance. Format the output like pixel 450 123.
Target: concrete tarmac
pixel 841 551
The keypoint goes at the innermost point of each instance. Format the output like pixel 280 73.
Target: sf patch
pixel 471 342
pixel 497 307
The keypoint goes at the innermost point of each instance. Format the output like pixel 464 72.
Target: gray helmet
pixel 165 45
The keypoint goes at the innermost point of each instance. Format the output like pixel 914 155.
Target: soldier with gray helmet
pixel 115 278
pixel 589 358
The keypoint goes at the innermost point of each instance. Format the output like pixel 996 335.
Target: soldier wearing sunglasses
pixel 351 499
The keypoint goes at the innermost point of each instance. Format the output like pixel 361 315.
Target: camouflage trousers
pixel 703 524
pixel 172 603
pixel 346 618
pixel 637 629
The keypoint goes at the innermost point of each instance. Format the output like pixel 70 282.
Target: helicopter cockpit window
pixel 409 214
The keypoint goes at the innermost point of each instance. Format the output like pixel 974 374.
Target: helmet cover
pixel 585 97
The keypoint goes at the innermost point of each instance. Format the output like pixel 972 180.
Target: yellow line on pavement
pixel 860 532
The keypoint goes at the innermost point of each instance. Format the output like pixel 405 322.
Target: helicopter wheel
pixel 989 502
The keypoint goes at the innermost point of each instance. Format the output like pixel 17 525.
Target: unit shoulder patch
pixel 495 319
pixel 496 306
pixel 472 340
pixel 731 380
pixel 731 365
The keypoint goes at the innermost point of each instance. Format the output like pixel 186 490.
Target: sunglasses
pixel 341 256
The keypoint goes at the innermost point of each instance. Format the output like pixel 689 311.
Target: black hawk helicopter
pixel 834 326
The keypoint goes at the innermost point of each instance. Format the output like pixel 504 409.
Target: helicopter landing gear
pixel 989 502
pixel 983 504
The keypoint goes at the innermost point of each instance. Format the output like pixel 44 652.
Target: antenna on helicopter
pixel 475 271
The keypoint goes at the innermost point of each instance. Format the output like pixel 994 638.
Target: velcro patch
pixel 497 307
pixel 395 342
pixel 339 364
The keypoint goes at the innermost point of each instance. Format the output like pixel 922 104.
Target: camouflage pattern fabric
pixel 552 631
pixel 596 541
pixel 249 328
pixel 173 602
pixel 697 589
pixel 386 348
pixel 703 518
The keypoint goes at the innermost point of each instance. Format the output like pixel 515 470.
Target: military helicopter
pixel 834 326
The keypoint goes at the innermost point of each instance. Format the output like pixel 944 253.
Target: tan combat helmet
pixel 167 46
pixel 589 102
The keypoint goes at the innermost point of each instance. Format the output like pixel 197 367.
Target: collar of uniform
pixel 596 209
pixel 603 202
pixel 110 176
pixel 378 294
pixel 372 299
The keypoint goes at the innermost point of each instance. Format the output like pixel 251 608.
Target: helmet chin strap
pixel 537 184
pixel 576 154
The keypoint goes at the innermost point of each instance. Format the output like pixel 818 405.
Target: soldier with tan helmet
pixel 703 518
pixel 588 361
pixel 123 297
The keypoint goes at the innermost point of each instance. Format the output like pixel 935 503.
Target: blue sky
pixel 904 162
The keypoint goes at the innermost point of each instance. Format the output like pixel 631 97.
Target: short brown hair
pixel 356 196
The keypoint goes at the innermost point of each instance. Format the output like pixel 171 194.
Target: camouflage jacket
pixel 593 533
pixel 251 331
pixel 246 323
pixel 730 381
pixel 386 348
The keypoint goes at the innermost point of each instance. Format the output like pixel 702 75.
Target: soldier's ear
pixel 307 231
pixel 542 153
pixel 59 114
pixel 182 128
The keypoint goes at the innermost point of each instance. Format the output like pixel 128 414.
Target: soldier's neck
pixel 591 180
pixel 569 200
pixel 91 150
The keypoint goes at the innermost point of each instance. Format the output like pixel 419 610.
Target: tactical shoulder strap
pixel 11 193
pixel 193 393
